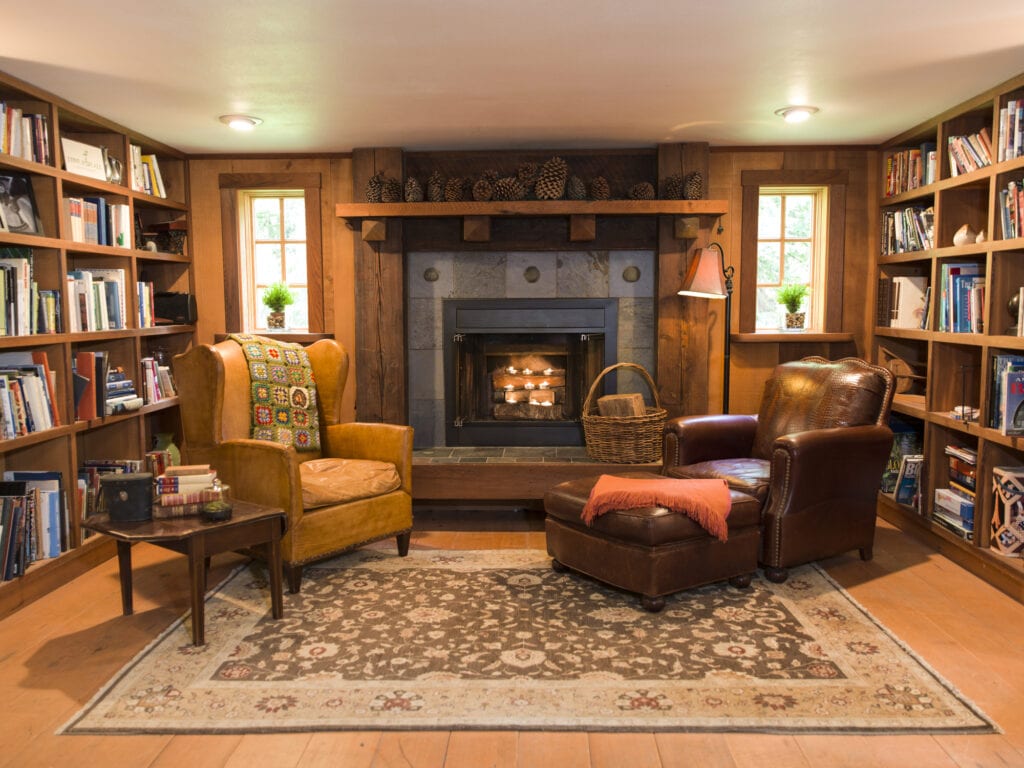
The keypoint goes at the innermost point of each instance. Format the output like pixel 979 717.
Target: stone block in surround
pixel 582 275
pixel 520 268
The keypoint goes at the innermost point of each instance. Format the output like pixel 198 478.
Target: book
pixel 85 395
pixel 907 482
pixel 1011 408
pixel 187 469
pixel 908 301
pixel 907 440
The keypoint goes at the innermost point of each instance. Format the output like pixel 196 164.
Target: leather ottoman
pixel 652 551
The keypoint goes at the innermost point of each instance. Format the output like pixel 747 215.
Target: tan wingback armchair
pixel 813 456
pixel 355 506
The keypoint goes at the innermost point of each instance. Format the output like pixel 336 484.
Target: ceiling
pixel 330 75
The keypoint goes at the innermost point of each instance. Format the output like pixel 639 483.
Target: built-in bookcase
pixel 143 255
pixel 956 363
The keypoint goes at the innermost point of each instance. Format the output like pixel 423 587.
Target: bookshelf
pixel 968 323
pixel 153 250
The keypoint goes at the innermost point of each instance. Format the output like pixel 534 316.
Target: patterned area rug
pixel 495 639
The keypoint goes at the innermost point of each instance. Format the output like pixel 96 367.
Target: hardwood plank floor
pixel 57 652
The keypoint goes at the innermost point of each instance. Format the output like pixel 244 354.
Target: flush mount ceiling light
pixel 240 122
pixel 796 114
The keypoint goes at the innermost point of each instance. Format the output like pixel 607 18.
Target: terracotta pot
pixel 275 320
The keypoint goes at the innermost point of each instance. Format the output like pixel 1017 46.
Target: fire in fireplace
pixel 518 370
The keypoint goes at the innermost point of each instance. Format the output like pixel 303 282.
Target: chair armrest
pixel 827 466
pixel 262 472
pixel 372 441
pixel 693 439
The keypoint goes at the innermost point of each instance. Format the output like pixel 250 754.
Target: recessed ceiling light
pixel 796 114
pixel 240 122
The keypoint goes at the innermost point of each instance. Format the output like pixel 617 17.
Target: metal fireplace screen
pixel 517 371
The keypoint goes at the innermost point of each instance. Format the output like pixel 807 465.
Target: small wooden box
pixel 621 405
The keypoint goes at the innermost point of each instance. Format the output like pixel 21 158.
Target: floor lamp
pixel 709 278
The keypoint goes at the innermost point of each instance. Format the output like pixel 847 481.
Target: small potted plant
pixel 792 296
pixel 277 297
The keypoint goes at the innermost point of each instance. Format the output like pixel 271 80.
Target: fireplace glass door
pixel 518 372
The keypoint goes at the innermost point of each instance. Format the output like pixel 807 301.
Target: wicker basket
pixel 624 439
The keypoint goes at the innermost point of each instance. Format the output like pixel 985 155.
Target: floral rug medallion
pixel 497 640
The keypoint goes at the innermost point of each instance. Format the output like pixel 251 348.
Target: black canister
pixel 127 498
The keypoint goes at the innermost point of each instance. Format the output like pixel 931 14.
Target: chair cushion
pixel 818 394
pixel 751 476
pixel 337 481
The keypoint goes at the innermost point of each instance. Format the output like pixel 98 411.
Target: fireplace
pixel 517 371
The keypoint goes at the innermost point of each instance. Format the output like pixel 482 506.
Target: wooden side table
pixel 251 525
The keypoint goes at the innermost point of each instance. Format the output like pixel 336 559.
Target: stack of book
pixel 156 381
pixel 969 153
pixel 954 506
pixel 1011 130
pixel 1011 209
pixel 908 229
pixel 183 490
pixel 121 396
pixel 23 134
pixel 33 519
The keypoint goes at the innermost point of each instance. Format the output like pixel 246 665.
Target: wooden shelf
pixel 476 216
pixel 352 211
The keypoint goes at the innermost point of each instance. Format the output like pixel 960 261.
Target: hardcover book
pixel 1012 403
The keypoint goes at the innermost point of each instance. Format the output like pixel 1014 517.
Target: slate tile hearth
pixel 574 454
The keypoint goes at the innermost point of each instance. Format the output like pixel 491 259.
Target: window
pixel 793 231
pixel 790 222
pixel 273 251
pixel 271 222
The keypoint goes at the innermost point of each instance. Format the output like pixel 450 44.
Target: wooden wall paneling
pixel 229 249
pixel 380 361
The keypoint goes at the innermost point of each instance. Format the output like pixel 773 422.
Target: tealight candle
pixel 512 370
pixel 527 372
pixel 544 385
pixel 509 387
pixel 530 385
pixel 548 371
pixel 547 403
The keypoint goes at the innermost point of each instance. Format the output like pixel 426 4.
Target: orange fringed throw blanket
pixel 706 502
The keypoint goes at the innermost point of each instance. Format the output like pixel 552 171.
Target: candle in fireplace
pixel 509 387
pixel 512 370
pixel 544 385
pixel 527 372
pixel 510 398
pixel 548 371
pixel 529 385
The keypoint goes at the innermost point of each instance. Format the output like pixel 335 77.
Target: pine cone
pixel 642 191
pixel 576 189
pixel 483 190
pixel 392 191
pixel 453 189
pixel 693 189
pixel 673 186
pixel 435 188
pixel 526 173
pixel 553 175
pixel 413 190
pixel 599 188
pixel 491 175
pixel 508 188
pixel 374 187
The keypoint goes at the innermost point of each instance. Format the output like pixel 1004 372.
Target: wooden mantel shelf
pixel 534 208
pixel 476 225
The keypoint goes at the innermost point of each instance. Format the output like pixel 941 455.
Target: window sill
pixel 790 337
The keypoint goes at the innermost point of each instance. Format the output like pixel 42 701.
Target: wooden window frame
pixel 230 185
pixel 835 183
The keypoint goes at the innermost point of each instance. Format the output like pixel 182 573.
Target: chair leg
pixel 866 553
pixel 294 576
pixel 403 543
pixel 776 575
pixel 652 604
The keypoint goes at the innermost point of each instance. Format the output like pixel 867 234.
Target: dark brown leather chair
pixel 813 456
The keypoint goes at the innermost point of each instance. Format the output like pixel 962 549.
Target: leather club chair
pixel 354 501
pixel 813 456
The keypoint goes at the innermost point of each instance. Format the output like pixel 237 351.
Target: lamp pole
pixel 729 272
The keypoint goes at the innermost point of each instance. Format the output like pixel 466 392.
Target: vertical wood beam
pixel 380 362
pixel 684 324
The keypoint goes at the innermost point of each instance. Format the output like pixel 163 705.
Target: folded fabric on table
pixel 705 501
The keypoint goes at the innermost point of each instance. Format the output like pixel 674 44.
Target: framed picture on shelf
pixel 18 212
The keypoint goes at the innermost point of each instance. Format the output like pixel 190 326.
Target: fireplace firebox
pixel 518 370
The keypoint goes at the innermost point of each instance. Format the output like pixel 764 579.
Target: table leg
pixel 274 565
pixel 124 567
pixel 197 580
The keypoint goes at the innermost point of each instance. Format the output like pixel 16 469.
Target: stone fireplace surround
pixel 431 277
